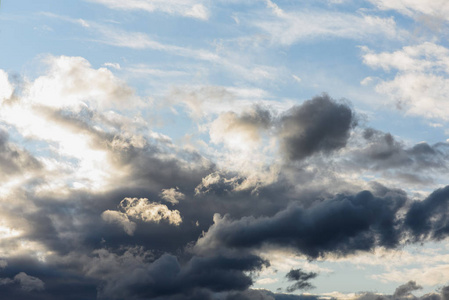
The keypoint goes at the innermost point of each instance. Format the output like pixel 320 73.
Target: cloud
pixel 140 209
pixel 439 8
pixel 290 26
pixel 368 222
pixel 406 289
pixel 60 87
pixel 14 160
pixel 419 86
pixel 26 282
pixel 404 292
pixel 112 216
pixel 320 125
pixel 428 218
pixel 6 88
pixel 29 283
pixel 187 8
pixel 301 280
pixel 240 131
pixel 172 195
pixel 146 211
pixel 381 152
pixel 130 275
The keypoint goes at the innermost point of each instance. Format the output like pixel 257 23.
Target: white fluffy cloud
pixel 421 82
pixel 172 195
pixel 141 209
pixel 72 80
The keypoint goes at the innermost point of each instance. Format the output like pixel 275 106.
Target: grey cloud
pixel 131 276
pixel 380 151
pixel 251 295
pixel 340 225
pixel 445 293
pixel 301 280
pixel 26 282
pixel 14 160
pixel 386 151
pixel 29 283
pixel 406 289
pixel 320 125
pixel 260 294
pixel 404 292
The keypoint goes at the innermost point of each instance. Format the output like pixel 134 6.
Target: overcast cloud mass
pixel 224 150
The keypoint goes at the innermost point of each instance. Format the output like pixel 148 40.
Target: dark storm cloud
pixel 429 218
pixel 340 225
pixel 301 280
pixel 318 125
pixel 129 276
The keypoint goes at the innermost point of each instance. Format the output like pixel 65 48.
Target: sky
pixel 224 150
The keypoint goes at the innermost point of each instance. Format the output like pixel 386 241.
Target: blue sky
pixel 145 144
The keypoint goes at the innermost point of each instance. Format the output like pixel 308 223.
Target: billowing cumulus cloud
pixel 140 209
pixel 146 211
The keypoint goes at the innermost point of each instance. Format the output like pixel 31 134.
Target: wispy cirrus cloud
pixel 287 27
pixel 186 8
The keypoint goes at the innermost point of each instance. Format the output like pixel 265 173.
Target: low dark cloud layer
pixel 405 291
pixel 340 226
